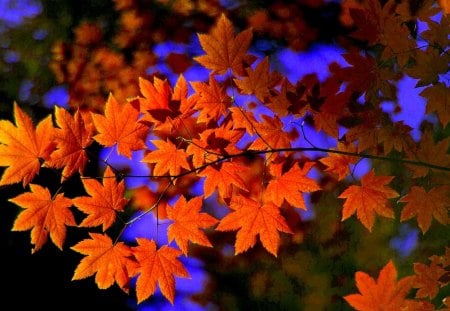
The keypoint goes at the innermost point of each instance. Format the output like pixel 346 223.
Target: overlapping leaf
pixel 73 136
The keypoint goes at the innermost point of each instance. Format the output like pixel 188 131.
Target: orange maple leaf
pixel 386 293
pixel 119 126
pixel 212 100
pixel 187 223
pixel 243 119
pixel 259 81
pixel 156 96
pixel 290 185
pixel 223 179
pixel 110 262
pixel 168 158
pixel 252 218
pixel 214 144
pixel 223 50
pixel 157 266
pixel 73 136
pixel 270 134
pixel 44 215
pixel 167 111
pixel 369 199
pixel 104 200
pixel 427 279
pixel 426 205
pixel 339 163
pixel 23 148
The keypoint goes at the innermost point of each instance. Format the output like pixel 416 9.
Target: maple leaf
pixel 361 76
pixel 214 144
pixel 386 291
pixel 72 137
pixel 259 80
pixel 429 64
pixel 157 266
pixel 168 158
pixel 223 179
pixel 212 101
pixel 167 111
pixel 290 185
pixel 243 120
pixel 427 279
pixel 156 96
pixel 438 100
pixel 23 148
pixel 109 262
pixel 396 137
pixel 430 152
pixel 44 215
pixel 104 200
pixel 369 199
pixel 119 126
pixel 270 134
pixel 426 205
pixel 223 50
pixel 339 163
pixel 187 223
pixel 252 218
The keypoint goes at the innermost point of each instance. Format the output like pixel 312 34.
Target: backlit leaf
pixel 23 148
pixel 44 215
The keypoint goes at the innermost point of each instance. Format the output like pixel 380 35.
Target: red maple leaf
pixel 157 266
pixel 223 50
pixel 369 199
pixel 104 200
pixel 44 215
pixel 187 223
pixel 23 148
pixel 252 218
pixel 386 291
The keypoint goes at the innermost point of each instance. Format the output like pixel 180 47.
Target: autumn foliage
pixel 240 136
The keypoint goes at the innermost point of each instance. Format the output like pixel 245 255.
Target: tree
pixel 231 160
